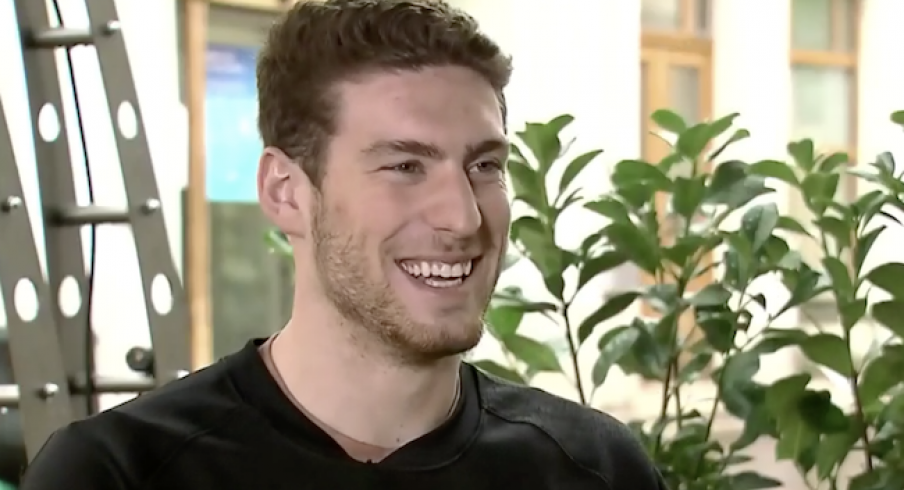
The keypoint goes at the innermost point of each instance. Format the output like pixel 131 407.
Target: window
pixel 689 17
pixel 824 43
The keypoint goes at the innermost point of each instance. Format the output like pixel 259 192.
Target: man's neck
pixel 357 392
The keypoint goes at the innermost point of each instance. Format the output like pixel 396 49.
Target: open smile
pixel 438 274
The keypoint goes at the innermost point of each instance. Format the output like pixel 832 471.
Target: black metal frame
pixel 51 363
pixel 34 343
pixel 155 259
pixel 63 245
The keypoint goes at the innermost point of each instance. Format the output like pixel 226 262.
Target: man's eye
pixel 488 166
pixel 407 167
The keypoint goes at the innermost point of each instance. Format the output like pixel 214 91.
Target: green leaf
pixel 880 375
pixel 890 277
pixel 817 411
pixel 688 195
pixel 713 294
pixel 758 224
pixel 756 425
pixel 781 401
pixel 774 169
pixel 851 312
pixel 543 140
pixel 536 239
pixel 527 185
pixel 614 345
pixel 774 339
pixel 740 368
pixel 597 265
pixel 803 153
pixel 636 243
pixel 538 356
pixel 833 450
pixel 830 351
pixel 690 371
pixel 610 208
pixel 693 141
pixel 498 370
pixel 897 117
pixel 866 244
pixel 504 320
pixel 575 167
pixel 784 393
pixel 790 224
pixel 749 480
pixel 669 121
pixel 718 328
pixel 633 172
pixel 615 305
pixel 819 190
pixel 724 178
pixel 842 283
pixel 836 228
pixel 831 163
pixel 891 315
pixel 739 135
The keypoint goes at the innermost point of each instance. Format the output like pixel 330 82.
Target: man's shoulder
pixel 129 442
pixel 594 440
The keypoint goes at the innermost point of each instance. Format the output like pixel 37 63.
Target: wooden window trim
pixel 843 57
pixel 687 19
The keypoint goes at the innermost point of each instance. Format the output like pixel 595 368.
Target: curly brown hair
pixel 317 44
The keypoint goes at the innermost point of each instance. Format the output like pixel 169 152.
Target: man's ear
pixel 284 191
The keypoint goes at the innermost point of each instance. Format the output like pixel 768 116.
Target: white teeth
pixel 442 270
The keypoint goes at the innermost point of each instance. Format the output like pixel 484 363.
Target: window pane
pixel 811 24
pixel 661 15
pixel 703 14
pixel 684 92
pixel 822 105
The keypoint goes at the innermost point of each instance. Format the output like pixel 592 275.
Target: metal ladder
pixel 51 351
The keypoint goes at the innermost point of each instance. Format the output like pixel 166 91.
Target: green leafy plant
pixel 704 233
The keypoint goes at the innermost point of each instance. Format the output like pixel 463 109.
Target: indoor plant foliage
pixel 703 318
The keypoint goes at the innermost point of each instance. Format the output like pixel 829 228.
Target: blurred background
pixel 825 69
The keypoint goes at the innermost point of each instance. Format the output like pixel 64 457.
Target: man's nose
pixel 453 205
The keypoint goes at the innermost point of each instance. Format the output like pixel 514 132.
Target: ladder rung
pixel 91 215
pixel 9 393
pixel 107 384
pixel 60 37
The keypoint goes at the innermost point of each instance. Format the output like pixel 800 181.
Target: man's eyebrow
pixel 428 150
pixel 410 147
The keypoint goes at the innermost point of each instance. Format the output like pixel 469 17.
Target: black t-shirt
pixel 230 427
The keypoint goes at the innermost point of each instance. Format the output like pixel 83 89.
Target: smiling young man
pixel 384 127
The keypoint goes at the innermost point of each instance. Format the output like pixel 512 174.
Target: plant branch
pixel 573 353
pixel 855 375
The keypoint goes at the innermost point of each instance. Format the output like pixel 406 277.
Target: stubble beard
pixel 367 302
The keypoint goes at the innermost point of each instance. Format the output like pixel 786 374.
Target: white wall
pixel 150 32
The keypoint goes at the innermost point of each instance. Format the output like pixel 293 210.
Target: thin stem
pixel 573 352
pixel 855 375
